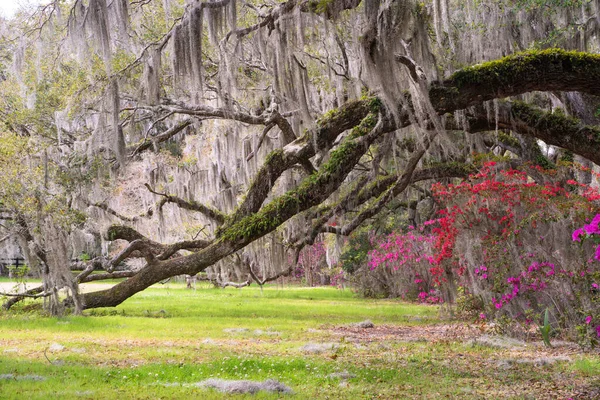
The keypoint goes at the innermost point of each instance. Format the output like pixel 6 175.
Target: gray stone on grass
pixel 84 393
pixel 364 324
pixel 11 350
pixel 259 332
pixel 498 342
pixel 504 364
pixel 79 350
pixel 34 378
pixel 541 361
pixel 344 375
pixel 235 330
pixel 56 347
pixel 538 362
pixel 243 386
pixel 317 348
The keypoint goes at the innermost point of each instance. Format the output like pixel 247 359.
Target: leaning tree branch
pixel 163 137
pixel 398 187
pixel 111 275
pixel 261 139
pixel 207 211
pixel 26 295
pixel 190 245
pixel 547 70
pixel 554 128
pixel 109 210
pixel 149 247
pixel 15 299
pixel 204 111
pixel 327 131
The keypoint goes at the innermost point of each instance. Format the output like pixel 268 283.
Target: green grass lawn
pixel 161 342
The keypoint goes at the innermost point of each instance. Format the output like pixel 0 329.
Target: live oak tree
pixel 187 135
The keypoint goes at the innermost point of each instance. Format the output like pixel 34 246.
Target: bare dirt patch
pixel 431 333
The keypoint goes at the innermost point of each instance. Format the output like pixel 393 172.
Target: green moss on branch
pixel 311 191
pixel 513 68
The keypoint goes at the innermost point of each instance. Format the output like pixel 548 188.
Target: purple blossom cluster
pixel 593 228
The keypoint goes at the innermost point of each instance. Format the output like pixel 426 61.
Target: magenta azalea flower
pixel 588 319
pixel 577 233
pixel 594 226
pixel 597 256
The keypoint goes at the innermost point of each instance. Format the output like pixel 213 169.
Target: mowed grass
pixel 161 342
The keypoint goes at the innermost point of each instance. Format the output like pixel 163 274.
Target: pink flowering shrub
pixel 591 233
pixel 506 240
pixel 519 231
pixel 311 266
pixel 407 259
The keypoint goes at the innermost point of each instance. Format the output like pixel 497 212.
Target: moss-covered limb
pixel 503 140
pixel 190 245
pixel 276 163
pixel 123 232
pixel 329 8
pixel 554 128
pixel 509 141
pixel 546 70
pixel 15 299
pixel 532 153
pixel 557 129
pixel 208 211
pixel 336 121
pixel 357 115
pixel 312 190
pixel 112 275
pixel 140 245
pixel 162 137
pixel 322 214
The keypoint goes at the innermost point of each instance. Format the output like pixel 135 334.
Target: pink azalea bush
pixel 505 240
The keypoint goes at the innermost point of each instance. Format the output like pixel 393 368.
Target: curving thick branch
pixel 163 137
pixel 546 70
pixel 207 211
pixel 328 129
pixel 141 246
pixel 554 128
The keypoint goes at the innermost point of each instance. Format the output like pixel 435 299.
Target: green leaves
pixel 545 329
